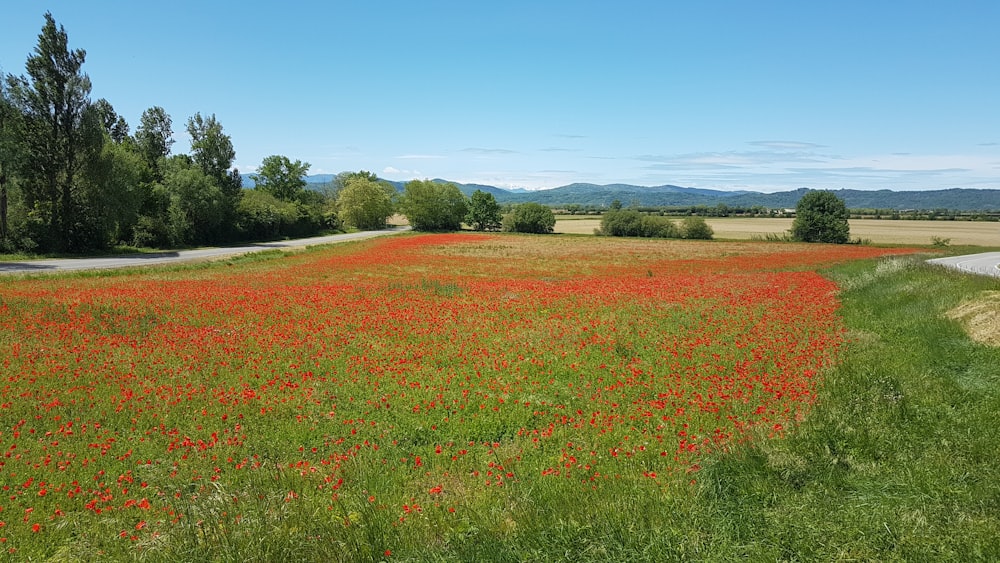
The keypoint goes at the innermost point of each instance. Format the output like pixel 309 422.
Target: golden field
pixel 879 231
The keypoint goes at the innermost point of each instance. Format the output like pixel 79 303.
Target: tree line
pixel 74 178
pixel 366 202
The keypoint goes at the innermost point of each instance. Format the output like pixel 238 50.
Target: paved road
pixel 987 263
pixel 72 264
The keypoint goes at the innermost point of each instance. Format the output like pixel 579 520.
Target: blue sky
pixel 762 95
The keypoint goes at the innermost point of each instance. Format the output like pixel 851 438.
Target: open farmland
pixel 458 396
pixel 879 231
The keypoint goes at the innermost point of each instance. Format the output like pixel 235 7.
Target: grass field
pixel 470 397
pixel 879 231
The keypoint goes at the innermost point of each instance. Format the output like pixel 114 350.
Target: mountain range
pixel 594 195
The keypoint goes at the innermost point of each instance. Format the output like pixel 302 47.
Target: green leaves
pixel 281 177
pixel 530 218
pixel 365 202
pixel 821 216
pixel 484 212
pixel 433 206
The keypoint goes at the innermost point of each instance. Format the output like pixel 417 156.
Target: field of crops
pixel 392 398
pixel 878 231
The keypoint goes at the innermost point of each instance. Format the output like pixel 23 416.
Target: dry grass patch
pixel 981 317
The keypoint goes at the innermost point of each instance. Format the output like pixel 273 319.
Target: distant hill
pixel 594 195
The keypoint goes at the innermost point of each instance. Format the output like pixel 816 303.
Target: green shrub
pixel 696 228
pixel 530 218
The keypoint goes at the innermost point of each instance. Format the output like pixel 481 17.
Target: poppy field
pixel 451 396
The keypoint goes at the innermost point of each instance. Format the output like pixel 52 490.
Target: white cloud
pixel 398 172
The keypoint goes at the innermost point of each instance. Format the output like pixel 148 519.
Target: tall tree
pixel 113 124
pixel 53 101
pixel 281 177
pixel 154 136
pixel 8 115
pixel 213 151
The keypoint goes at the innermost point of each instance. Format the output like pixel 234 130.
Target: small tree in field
pixel 821 216
pixel 484 212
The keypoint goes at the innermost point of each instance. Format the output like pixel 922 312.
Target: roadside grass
pixel 130 250
pixel 897 462
pixel 119 250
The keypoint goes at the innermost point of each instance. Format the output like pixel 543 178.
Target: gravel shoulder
pixel 173 257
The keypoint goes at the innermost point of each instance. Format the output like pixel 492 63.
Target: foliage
pixel 211 149
pixel 622 222
pixel 113 124
pixel 365 202
pixel 56 134
pixel 114 190
pixel 821 216
pixel 433 206
pixel 197 205
pixel 529 218
pixel 154 136
pixel 264 217
pixel 281 177
pixel 72 179
pixel 484 212
pixel 696 228
pixel 9 152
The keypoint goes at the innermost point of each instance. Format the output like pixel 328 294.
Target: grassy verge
pixel 898 459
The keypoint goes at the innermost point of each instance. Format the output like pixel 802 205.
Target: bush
pixel 696 228
pixel 631 223
pixel 530 218
pixel 621 223
pixel 654 226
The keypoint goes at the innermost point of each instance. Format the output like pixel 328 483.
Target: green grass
pixel 898 460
